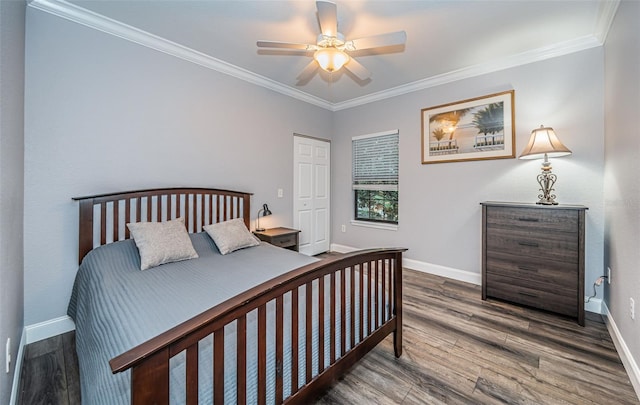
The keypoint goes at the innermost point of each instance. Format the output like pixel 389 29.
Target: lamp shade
pixel 265 210
pixel 331 59
pixel 543 141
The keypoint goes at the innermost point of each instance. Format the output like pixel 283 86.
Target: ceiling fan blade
pixel 307 72
pixel 328 18
pixel 357 69
pixel 377 41
pixel 286 45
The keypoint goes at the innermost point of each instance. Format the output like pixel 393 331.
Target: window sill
pixel 376 225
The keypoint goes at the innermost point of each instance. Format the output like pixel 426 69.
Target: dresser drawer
pixel 522 242
pixel 543 219
pixel 537 270
pixel 552 298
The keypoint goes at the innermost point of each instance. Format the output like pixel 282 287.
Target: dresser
pixel 533 255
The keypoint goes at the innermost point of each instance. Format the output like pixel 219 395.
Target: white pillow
pixel 231 235
pixel 162 242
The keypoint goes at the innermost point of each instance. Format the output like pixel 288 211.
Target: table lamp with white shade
pixel 544 143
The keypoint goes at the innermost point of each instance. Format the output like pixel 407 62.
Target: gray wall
pixel 12 25
pixel 622 169
pixel 439 211
pixel 103 114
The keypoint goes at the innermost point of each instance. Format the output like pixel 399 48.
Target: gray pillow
pixel 162 242
pixel 231 235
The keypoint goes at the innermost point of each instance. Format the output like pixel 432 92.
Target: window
pixel 375 177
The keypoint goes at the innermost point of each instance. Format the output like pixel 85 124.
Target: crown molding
pixel 80 15
pixel 606 13
pixel 72 12
pixel 524 58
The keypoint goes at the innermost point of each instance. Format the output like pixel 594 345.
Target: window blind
pixel 375 162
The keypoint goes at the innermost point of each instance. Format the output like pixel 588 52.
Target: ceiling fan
pixel 331 50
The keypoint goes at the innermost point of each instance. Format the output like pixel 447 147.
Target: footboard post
pixel 150 380
pixel 397 296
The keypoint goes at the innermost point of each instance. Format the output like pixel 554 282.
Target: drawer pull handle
pixel 525 268
pixel 524 243
pixel 528 294
pixel 525 219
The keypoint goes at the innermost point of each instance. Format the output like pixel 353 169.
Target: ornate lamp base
pixel 546 179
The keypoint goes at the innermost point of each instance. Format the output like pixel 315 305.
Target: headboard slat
pixel 103 223
pixel 187 209
pixel 116 220
pixel 233 204
pixel 127 217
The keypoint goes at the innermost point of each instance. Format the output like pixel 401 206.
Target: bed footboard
pixel 359 295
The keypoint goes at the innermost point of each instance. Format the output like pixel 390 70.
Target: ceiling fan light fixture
pixel 331 59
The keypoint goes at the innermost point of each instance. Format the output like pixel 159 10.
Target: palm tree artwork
pixel 475 129
pixel 448 122
pixel 489 121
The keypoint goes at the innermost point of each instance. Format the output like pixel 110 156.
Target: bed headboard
pixel 103 217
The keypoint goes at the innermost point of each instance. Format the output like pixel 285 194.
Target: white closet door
pixel 311 199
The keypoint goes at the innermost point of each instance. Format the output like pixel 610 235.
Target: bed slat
pixel 241 359
pixel 279 348
pixel 192 374
pixel 308 356
pixel 218 366
pixel 332 320
pixel 262 354
pixel 361 296
pixel 295 318
pixel 375 294
pixel 343 312
pixel 321 298
pixel 103 223
pixel 352 285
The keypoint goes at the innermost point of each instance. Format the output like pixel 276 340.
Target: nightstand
pixel 283 237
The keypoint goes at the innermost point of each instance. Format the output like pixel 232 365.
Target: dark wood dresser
pixel 533 255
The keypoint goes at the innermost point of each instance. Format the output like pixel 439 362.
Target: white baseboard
pixel 594 305
pixel 436 269
pixel 628 361
pixel 18 370
pixel 50 328
pixel 34 333
pixel 342 248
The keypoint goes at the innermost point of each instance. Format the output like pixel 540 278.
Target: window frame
pixel 385 183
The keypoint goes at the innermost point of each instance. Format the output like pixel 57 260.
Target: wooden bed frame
pixel 102 220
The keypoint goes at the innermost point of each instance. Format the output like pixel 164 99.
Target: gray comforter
pixel 116 306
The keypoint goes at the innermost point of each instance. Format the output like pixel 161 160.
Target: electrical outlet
pixel 8 354
pixel 632 308
pixel 608 275
pixel 280 193
pixel 343 228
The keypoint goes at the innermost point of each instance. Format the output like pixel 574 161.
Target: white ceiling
pixel 446 40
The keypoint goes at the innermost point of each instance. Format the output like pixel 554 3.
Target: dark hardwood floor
pixel 457 350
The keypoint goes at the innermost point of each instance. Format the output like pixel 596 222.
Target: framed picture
pixel 475 129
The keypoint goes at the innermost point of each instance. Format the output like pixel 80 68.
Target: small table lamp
pixel 544 144
pixel 264 211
